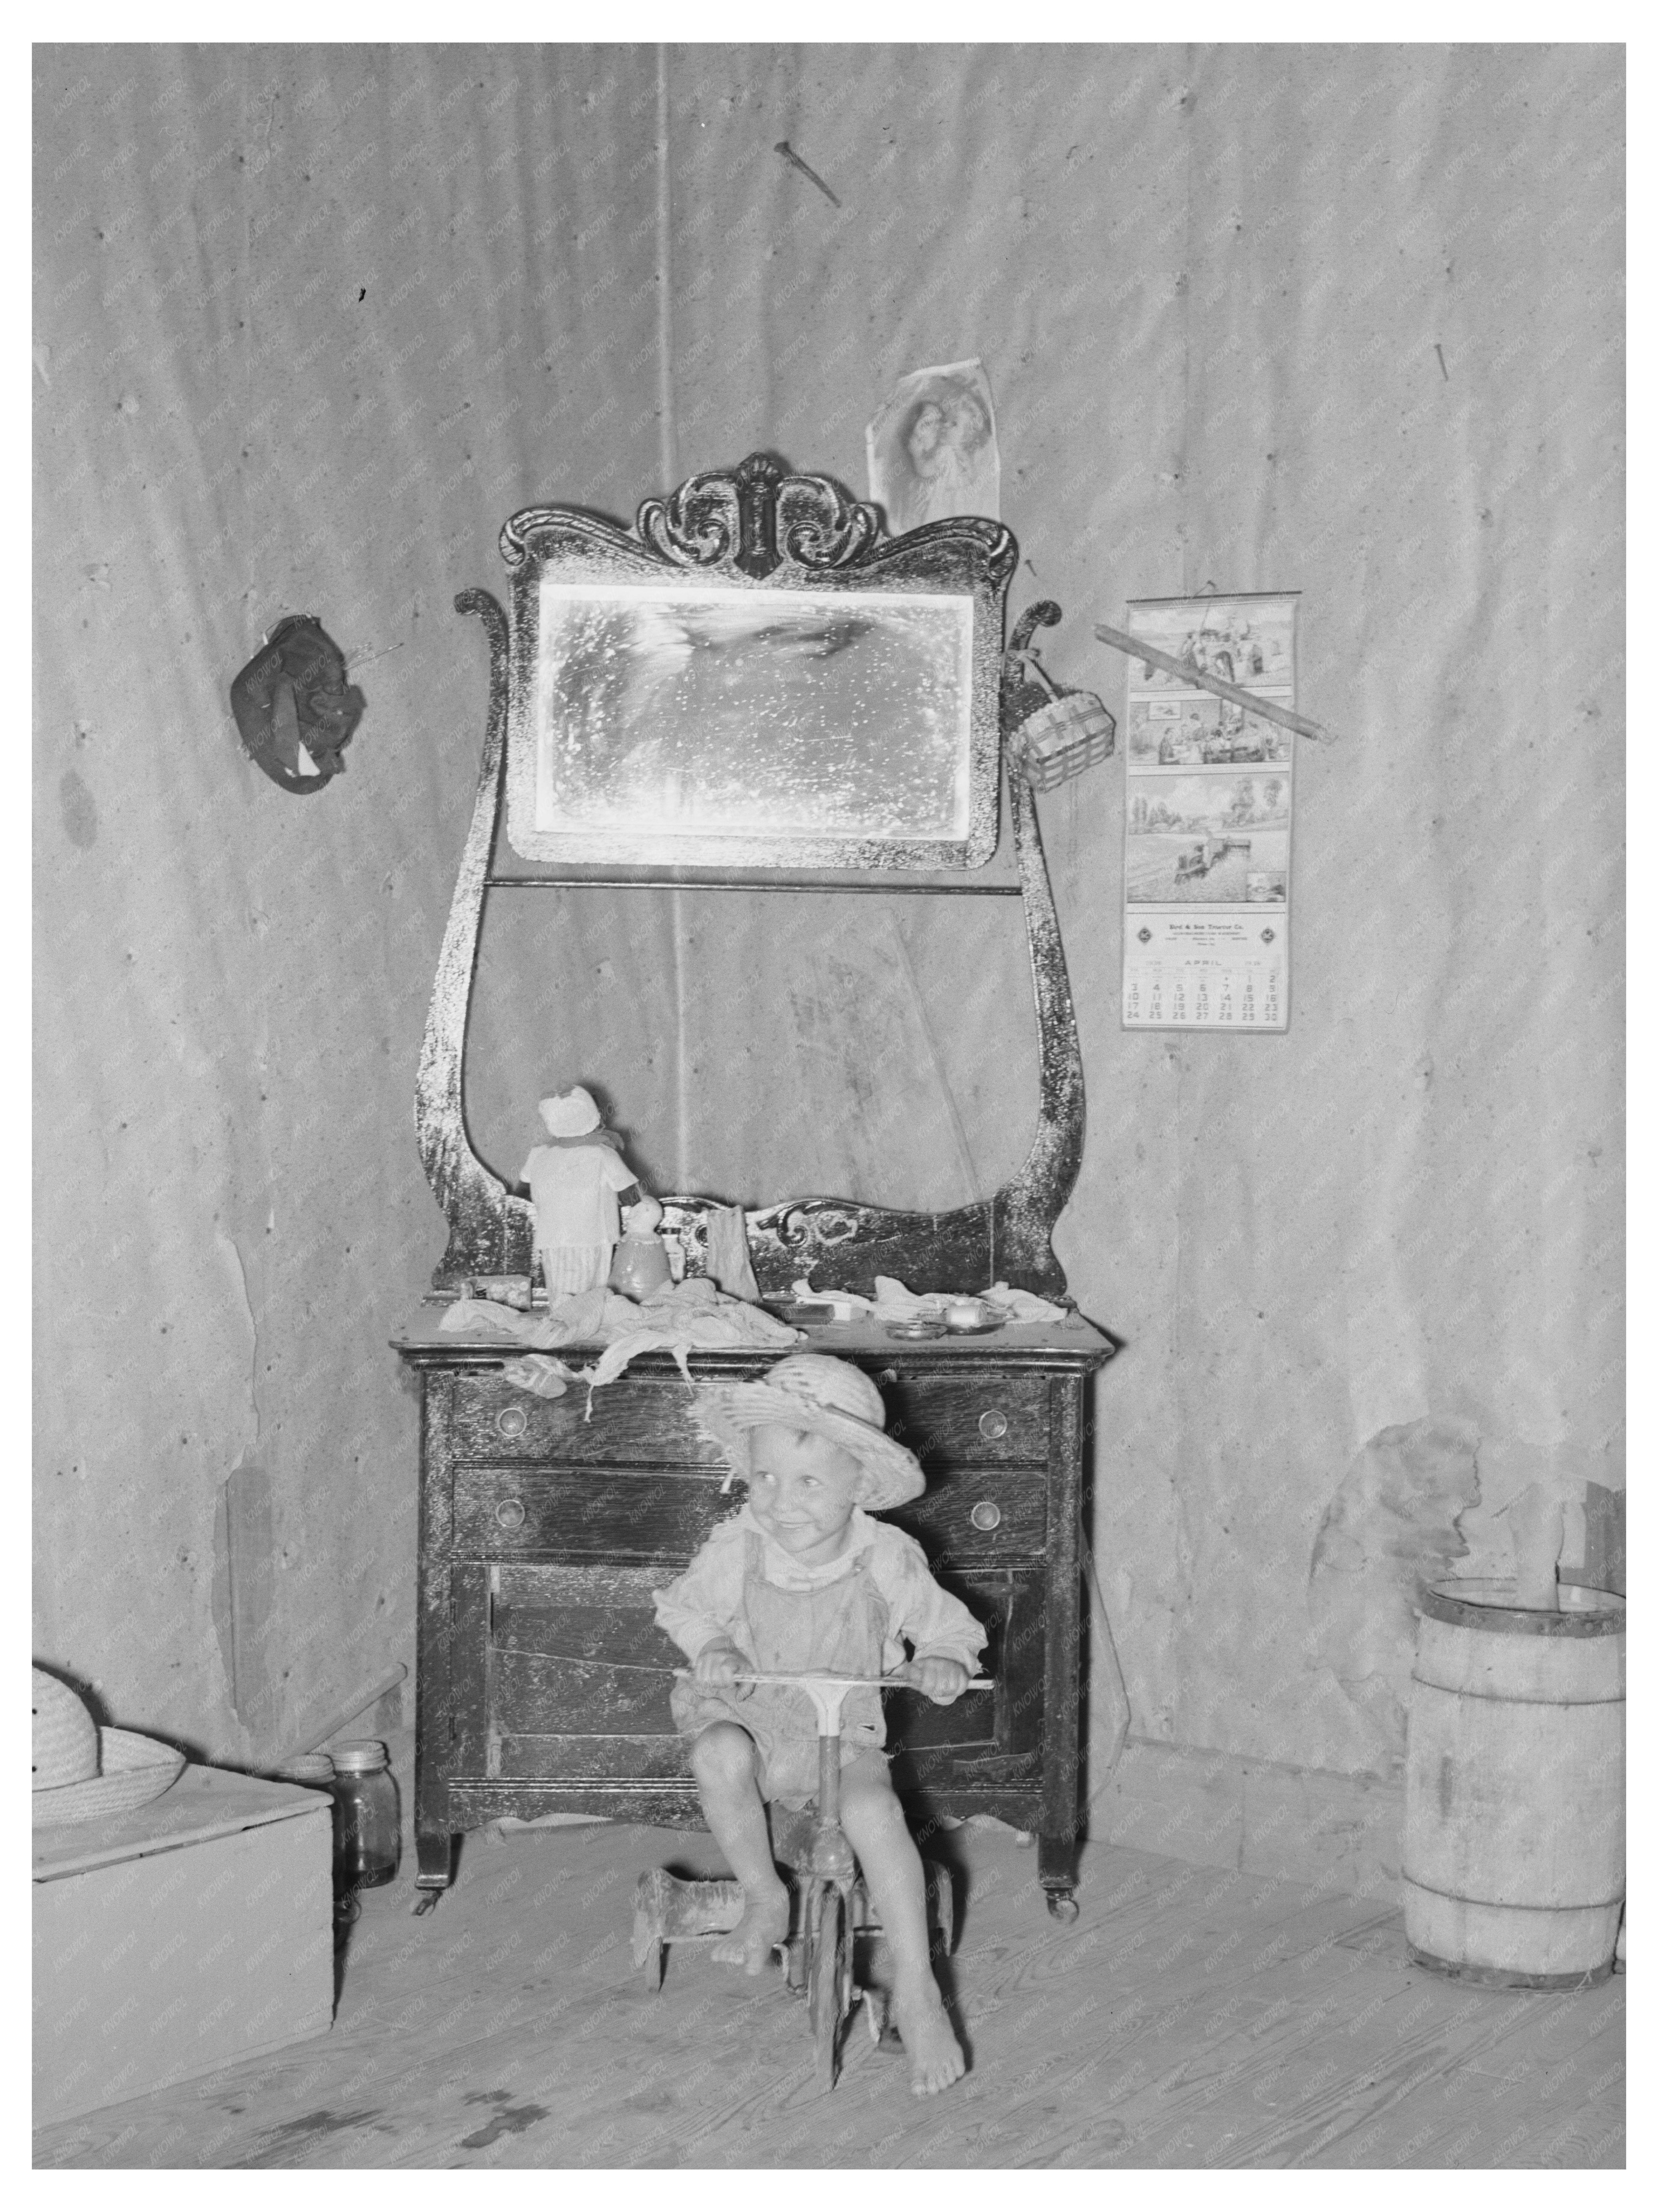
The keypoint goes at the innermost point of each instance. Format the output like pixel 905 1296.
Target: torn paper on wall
pixel 1206 823
pixel 932 447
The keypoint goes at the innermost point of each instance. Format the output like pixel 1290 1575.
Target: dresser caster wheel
pixel 434 1857
pixel 427 1901
pixel 1062 1906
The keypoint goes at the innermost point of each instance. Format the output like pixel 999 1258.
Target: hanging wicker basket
pixel 1073 732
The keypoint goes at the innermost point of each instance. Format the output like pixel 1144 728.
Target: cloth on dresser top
pixel 680 1318
pixel 545 1378
pixel 728 1262
pixel 893 1302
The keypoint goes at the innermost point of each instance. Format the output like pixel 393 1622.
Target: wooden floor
pixel 1192 2017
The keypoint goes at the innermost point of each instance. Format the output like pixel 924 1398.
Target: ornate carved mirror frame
pixel 760 530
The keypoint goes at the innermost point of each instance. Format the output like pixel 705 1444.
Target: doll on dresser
pixel 577 1182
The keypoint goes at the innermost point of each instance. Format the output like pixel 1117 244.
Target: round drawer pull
pixel 992 1425
pixel 510 1513
pixel 986 1516
pixel 512 1420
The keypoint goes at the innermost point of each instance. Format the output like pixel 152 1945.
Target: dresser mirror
pixel 755 689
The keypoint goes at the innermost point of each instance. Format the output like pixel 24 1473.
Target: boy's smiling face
pixel 802 1489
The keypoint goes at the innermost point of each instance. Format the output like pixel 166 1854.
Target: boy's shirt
pixel 707 1601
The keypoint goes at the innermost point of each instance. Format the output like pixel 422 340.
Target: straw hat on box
pixel 823 1397
pixel 83 1772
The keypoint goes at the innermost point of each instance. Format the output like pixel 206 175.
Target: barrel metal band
pixel 1503 1977
pixel 1504 1904
pixel 1499 1697
pixel 1514 1620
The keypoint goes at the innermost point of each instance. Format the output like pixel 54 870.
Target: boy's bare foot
pixel 935 2056
pixel 764 1924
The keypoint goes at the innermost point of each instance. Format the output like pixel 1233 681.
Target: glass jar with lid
pixel 370 1831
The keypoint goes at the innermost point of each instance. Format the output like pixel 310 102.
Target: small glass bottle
pixel 370 1831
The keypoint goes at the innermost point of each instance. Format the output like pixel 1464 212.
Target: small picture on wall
pixel 1203 840
pixel 931 448
pixel 666 718
pixel 1195 730
pixel 1247 640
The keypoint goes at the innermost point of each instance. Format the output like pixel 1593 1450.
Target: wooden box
pixel 178 1939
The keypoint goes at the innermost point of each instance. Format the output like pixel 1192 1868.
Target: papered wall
pixel 310 325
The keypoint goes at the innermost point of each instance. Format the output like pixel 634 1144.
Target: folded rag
pixel 546 1378
pixel 893 1302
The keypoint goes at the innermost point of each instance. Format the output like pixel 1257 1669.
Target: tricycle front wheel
pixel 829 1979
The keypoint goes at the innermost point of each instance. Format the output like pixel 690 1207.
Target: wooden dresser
pixel 546 1525
pixel 543 1679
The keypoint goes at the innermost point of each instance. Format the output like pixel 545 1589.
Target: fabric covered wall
pixel 310 325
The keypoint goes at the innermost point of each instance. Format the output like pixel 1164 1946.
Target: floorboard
pixel 1192 2017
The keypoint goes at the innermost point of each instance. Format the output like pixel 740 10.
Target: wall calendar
pixel 1210 790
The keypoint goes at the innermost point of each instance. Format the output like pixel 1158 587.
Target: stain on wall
pixel 244 1595
pixel 80 810
pixel 1391 1522
pixel 309 327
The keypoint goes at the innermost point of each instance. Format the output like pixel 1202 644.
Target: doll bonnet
pixel 823 1397
pixel 570 1113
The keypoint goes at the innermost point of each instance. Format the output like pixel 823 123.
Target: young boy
pixel 803 1580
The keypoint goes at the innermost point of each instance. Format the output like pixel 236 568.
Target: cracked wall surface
pixel 308 327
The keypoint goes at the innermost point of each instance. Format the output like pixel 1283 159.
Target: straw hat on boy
pixel 823 1397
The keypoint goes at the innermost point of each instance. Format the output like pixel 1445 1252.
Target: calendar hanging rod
pixel 1189 672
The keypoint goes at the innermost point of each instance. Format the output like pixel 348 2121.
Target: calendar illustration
pixel 1207 821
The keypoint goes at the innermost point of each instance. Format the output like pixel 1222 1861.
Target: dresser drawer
pixel 997 1418
pixel 505 1512
pixel 978 1514
pixel 640 1421
pixel 983 1419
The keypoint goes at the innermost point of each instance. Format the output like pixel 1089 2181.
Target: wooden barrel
pixel 1514 1786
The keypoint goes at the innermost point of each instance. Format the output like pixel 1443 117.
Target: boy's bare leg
pixel 874 1822
pixel 723 1761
